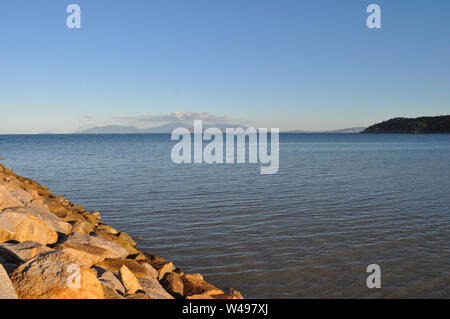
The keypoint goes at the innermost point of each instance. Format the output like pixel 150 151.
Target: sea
pixel 339 203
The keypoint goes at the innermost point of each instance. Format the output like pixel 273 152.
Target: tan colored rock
pixel 139 270
pixel 140 257
pixel 154 289
pixel 86 255
pixel 113 249
pixel 92 218
pixel 138 296
pixel 108 229
pixel 162 267
pixel 55 275
pixel 7 290
pixel 118 240
pixel 129 280
pixel 200 296
pixel 25 250
pixel 173 284
pixel 45 216
pixel 127 238
pixel 21 227
pixel 82 227
pixel 109 279
pixel 231 294
pixel 195 285
pixel 7 199
pixel 110 293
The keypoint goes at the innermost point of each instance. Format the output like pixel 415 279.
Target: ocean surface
pixel 338 203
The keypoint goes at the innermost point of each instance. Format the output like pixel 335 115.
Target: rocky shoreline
pixel 51 248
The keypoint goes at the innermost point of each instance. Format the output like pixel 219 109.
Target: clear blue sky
pixel 291 64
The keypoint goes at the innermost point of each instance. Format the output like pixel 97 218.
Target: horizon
pixel 296 66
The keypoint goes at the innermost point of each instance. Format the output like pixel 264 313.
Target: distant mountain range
pixel 168 128
pixel 425 124
pixel 345 130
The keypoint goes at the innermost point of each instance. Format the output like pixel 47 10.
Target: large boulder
pixel 195 285
pixel 86 255
pixel 139 270
pixel 112 287
pixel 121 239
pixel 173 284
pixel 154 289
pixel 83 227
pixel 162 266
pixel 55 275
pixel 7 199
pixel 114 250
pixel 6 288
pixel 43 214
pixel 129 280
pixel 24 251
pixel 22 227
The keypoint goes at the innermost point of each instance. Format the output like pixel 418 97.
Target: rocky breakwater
pixel 52 248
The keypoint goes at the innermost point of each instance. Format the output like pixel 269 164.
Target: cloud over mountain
pixel 176 117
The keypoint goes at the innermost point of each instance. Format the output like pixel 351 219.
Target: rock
pixel 118 240
pixel 55 275
pixel 173 284
pixel 45 216
pixel 82 227
pixel 138 296
pixel 90 217
pixel 139 257
pixel 7 199
pixel 151 270
pixel 114 250
pixel 110 293
pixel 112 287
pixel 86 255
pixel 7 290
pixel 10 267
pixel 231 294
pixel 21 227
pixel 25 250
pixel 108 229
pixel 139 270
pixel 200 296
pixel 129 280
pixel 179 271
pixel 195 285
pixel 127 238
pixel 154 289
pixel 162 266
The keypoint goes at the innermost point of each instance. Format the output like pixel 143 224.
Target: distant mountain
pixel 111 129
pixel 345 130
pixel 426 124
pixel 166 128
pixel 348 130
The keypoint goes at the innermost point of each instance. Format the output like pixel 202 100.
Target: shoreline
pixel 51 248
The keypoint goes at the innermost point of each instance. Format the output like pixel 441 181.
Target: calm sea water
pixel 339 203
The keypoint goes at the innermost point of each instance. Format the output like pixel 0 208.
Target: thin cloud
pixel 176 117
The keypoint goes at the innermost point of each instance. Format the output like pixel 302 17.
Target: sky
pixel 291 64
